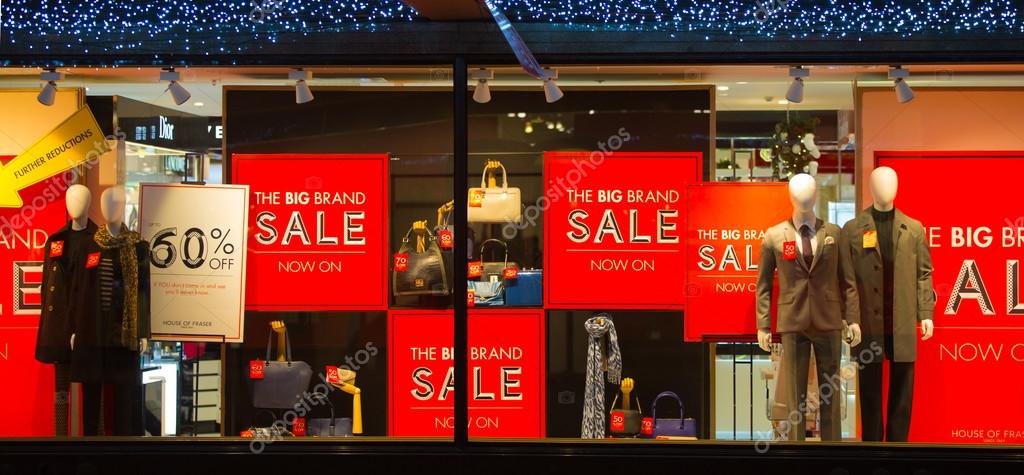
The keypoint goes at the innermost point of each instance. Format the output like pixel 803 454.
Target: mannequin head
pixel 803 193
pixel 78 199
pixel 112 206
pixel 883 187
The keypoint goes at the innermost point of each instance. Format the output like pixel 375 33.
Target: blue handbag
pixel 681 427
pixel 525 290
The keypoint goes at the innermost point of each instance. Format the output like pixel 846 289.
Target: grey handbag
pixel 333 427
pixel 426 274
pixel 283 382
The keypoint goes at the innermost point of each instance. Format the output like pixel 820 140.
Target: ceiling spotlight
pixel 551 91
pixel 49 92
pixel 796 89
pixel 302 92
pixel 482 93
pixel 903 92
pixel 178 92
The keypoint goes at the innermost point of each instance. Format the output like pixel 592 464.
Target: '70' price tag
pixel 401 262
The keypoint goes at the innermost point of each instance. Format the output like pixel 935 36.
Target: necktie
pixel 805 236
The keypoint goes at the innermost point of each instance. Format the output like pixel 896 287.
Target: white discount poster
pixel 197 236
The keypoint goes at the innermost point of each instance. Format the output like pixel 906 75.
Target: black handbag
pixel 492 271
pixel 333 427
pixel 283 382
pixel 624 422
pixel 425 272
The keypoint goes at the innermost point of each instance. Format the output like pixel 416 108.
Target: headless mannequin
pixel 105 361
pixel 78 200
pixel 803 194
pixel 112 207
pixel 884 185
pixel 892 313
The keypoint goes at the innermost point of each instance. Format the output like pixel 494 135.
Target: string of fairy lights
pixel 227 25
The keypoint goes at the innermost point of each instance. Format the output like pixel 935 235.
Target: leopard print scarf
pixel 125 241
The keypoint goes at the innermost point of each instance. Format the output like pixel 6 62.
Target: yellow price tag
pixel 870 239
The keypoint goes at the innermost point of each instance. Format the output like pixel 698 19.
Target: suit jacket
pixel 913 296
pixel 62 295
pixel 810 298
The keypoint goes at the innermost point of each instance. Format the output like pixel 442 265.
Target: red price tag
pixel 56 248
pixel 789 250
pixel 93 260
pixel 332 375
pixel 647 426
pixel 401 262
pixel 618 421
pixel 511 273
pixel 471 298
pixel 476 197
pixel 256 369
pixel 476 269
pixel 299 426
pixel 446 239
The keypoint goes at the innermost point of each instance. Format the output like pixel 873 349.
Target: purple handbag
pixel 682 427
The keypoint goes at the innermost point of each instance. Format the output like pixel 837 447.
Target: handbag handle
pixel 499 241
pixel 287 346
pixel 430 235
pixel 668 394
pixel 273 418
pixel 504 177
pixel 616 399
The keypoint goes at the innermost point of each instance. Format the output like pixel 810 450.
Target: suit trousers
pixel 896 427
pixel 796 360
pixel 114 412
pixel 61 398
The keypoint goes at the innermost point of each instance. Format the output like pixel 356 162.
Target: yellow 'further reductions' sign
pixel 76 140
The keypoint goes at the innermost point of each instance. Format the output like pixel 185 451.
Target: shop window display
pixel 646 260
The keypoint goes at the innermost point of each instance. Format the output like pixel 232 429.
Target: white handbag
pixel 499 204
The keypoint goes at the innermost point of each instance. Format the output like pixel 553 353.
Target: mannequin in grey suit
pixel 814 289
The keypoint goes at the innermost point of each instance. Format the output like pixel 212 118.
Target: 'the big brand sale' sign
pixel 506 373
pixel 725 226
pixel 968 385
pixel 317 231
pixel 28 384
pixel 614 227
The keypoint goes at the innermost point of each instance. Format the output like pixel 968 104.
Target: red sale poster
pixel 724 228
pixel 613 229
pixel 318 231
pixel 967 387
pixel 28 384
pixel 506 380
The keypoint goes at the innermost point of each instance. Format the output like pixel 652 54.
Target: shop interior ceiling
pixel 738 87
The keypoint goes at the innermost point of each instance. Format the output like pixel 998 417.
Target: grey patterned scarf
pixel 593 403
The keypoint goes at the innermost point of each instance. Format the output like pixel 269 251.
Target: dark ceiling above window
pixel 157 31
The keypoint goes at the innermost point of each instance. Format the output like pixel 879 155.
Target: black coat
pixel 64 298
pixel 99 355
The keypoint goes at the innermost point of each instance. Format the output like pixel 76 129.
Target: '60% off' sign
pixel 197 237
